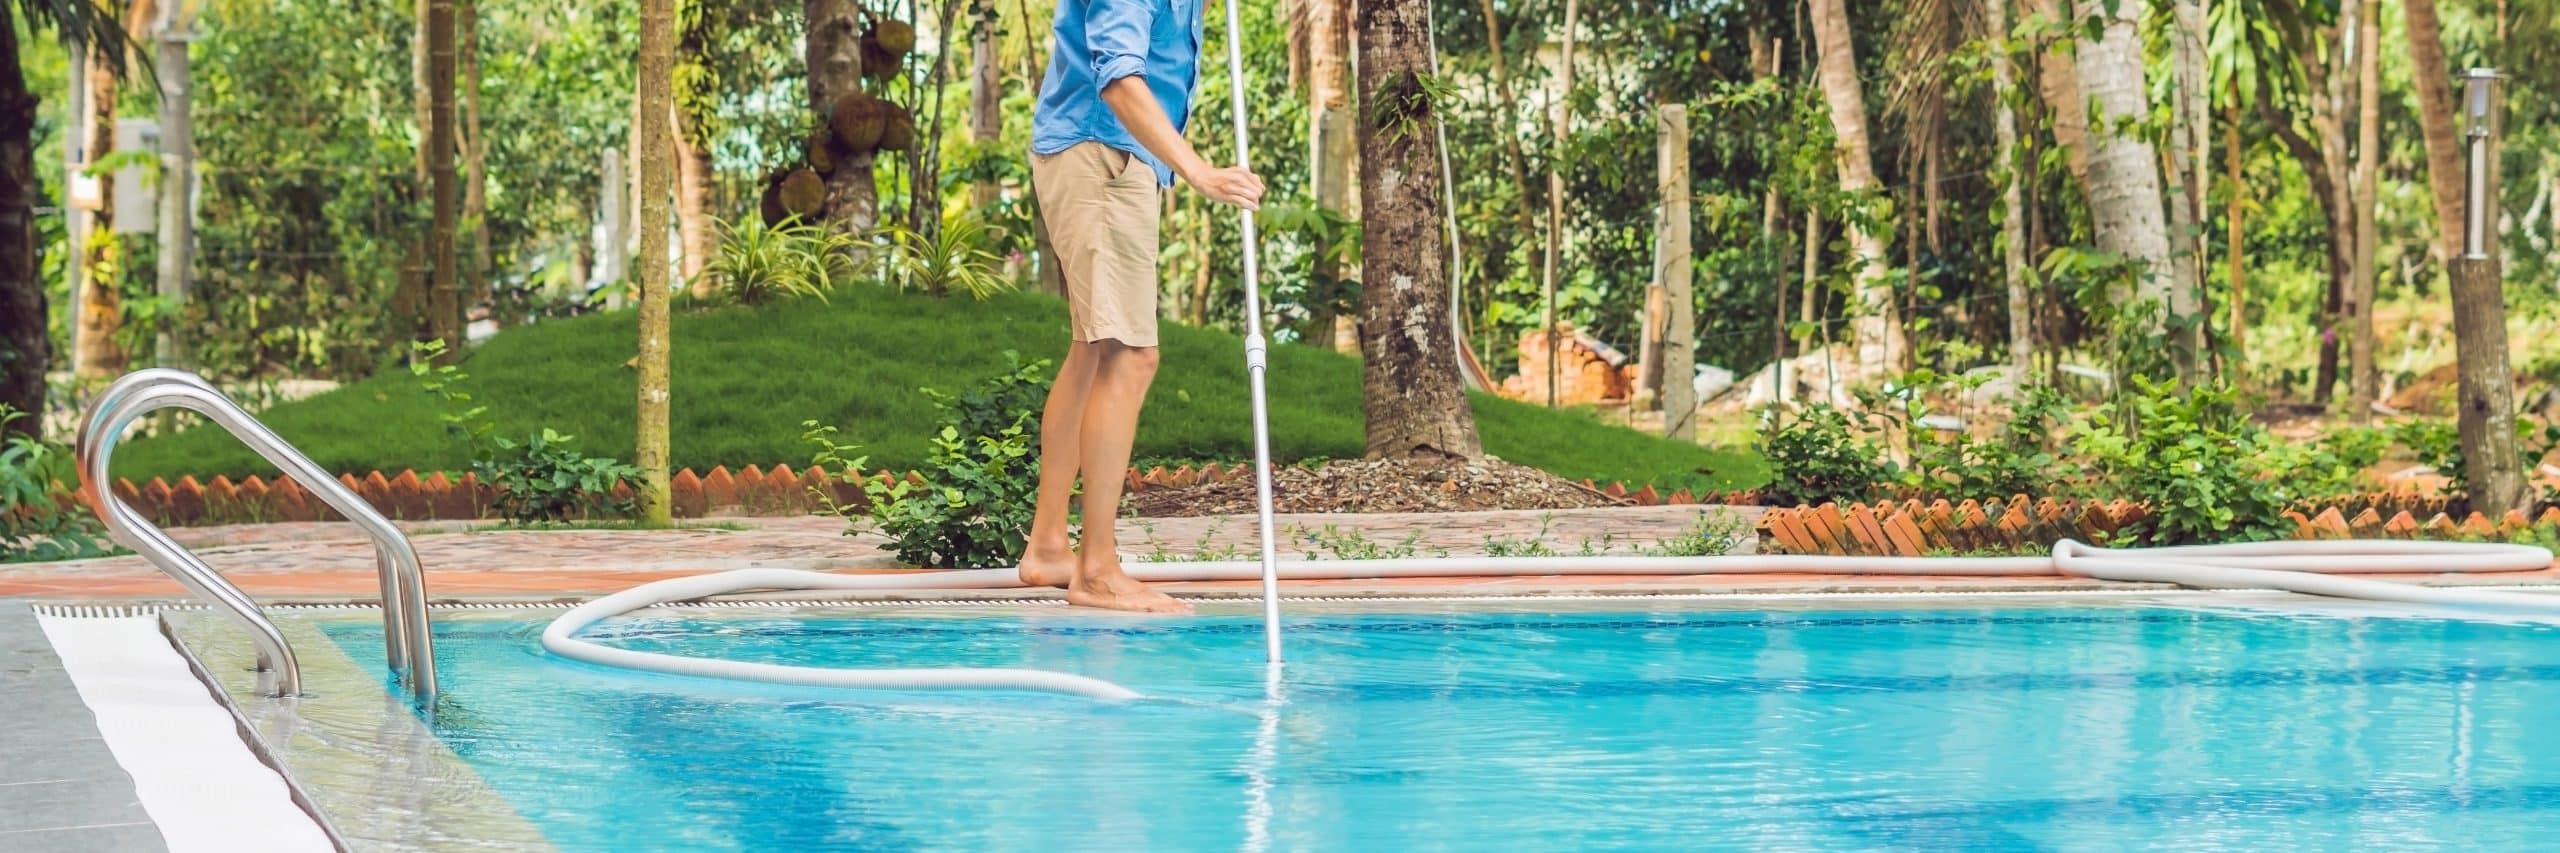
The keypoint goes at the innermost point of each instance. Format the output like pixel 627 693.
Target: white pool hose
pixel 2310 568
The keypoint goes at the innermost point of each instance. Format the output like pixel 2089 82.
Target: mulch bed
pixel 1379 485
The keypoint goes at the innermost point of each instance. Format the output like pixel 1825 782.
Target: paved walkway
pixel 327 562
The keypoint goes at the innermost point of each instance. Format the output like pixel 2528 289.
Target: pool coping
pixel 280 733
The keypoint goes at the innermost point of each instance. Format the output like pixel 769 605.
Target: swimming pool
pixel 1627 726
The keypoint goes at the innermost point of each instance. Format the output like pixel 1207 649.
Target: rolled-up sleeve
pixel 1116 37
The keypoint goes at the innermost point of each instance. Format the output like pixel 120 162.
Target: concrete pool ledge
pixel 362 759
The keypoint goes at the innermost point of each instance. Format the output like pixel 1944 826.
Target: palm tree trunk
pixel 1411 393
pixel 2013 196
pixel 2361 379
pixel 444 287
pixel 1874 331
pixel 2125 202
pixel 699 238
pixel 2186 179
pixel 657 146
pixel 2058 81
pixel 1504 127
pixel 26 347
pixel 2435 118
pixel 2233 214
pixel 475 157
pixel 1334 155
pixel 99 351
pixel 986 102
pixel 1561 126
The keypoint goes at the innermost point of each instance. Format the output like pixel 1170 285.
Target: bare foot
pixel 1047 567
pixel 1111 588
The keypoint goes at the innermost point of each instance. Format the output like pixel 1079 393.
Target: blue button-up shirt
pixel 1101 41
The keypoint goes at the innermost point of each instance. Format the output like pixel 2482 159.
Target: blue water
pixel 1988 729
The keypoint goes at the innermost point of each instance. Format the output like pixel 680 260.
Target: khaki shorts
pixel 1099 204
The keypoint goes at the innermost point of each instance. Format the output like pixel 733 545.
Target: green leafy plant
pixel 758 263
pixel 2207 472
pixel 33 527
pixel 1714 534
pixel 955 257
pixel 980 484
pixel 1817 456
pixel 540 479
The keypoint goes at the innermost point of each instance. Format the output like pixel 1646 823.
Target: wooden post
pixel 1679 348
pixel 2488 411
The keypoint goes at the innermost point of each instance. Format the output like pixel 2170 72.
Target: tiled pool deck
pixel 331 563
pixel 60 787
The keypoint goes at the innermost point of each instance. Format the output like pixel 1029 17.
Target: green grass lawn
pixel 745 378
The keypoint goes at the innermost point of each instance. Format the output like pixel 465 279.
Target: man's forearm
pixel 1144 116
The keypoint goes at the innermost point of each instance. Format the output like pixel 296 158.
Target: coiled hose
pixel 2310 568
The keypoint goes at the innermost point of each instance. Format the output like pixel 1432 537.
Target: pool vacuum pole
pixel 1256 356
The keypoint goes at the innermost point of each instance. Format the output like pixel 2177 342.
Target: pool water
pixel 2080 728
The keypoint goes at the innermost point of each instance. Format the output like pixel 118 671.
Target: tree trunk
pixel 2358 313
pixel 2436 118
pixel 475 157
pixel 2125 203
pixel 177 186
pixel 986 103
pixel 2013 195
pixel 1560 127
pixel 2058 81
pixel 2329 115
pixel 696 131
pixel 1333 154
pixel 1410 389
pixel 2233 213
pixel 657 147
pixel 26 348
pixel 2185 182
pixel 1505 126
pixel 1874 330
pixel 694 208
pixel 1812 276
pixel 444 287
pixel 99 352
pixel 835 70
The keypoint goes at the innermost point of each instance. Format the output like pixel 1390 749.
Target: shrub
pixel 2018 460
pixel 758 262
pixel 541 479
pixel 956 257
pixel 980 484
pixel 2206 471
pixel 1817 457
pixel 32 527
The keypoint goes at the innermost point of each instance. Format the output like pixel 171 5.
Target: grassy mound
pixel 746 377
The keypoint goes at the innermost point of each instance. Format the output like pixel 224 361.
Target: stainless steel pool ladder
pixel 406 640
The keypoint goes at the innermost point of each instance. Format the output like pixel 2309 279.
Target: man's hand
pixel 1234 185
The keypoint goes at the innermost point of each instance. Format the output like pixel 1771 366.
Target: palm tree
pixel 1410 389
pixel 26 348
pixel 1877 336
pixel 2125 201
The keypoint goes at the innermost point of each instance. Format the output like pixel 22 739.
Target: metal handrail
pixel 407 642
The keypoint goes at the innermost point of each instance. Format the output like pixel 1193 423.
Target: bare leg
pixel 1110 428
pixel 1049 559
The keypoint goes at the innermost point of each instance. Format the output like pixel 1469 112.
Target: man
pixel 1105 138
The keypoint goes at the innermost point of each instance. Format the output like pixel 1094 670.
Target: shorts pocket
pixel 1125 170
